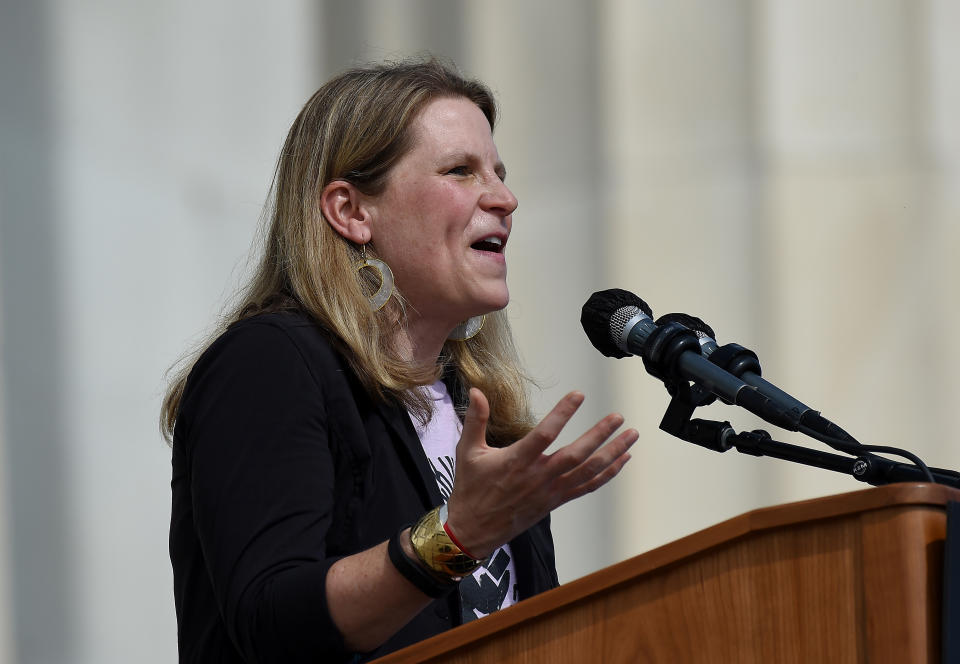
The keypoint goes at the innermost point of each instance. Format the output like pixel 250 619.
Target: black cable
pixel 840 444
pixel 883 449
pixel 858 449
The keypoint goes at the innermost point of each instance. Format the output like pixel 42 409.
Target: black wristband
pixel 427 583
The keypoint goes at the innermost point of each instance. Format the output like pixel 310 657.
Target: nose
pixel 498 199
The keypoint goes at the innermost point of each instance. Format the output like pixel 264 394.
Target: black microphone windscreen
pixel 596 315
pixel 692 323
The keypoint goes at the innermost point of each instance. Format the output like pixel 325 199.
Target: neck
pixel 422 341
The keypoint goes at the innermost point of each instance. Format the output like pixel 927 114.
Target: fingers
pixel 596 466
pixel 475 419
pixel 601 460
pixel 574 454
pixel 597 481
pixel 539 439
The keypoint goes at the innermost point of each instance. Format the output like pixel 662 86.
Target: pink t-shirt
pixel 494 585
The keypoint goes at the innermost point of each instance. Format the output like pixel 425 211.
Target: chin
pixel 486 301
pixel 496 303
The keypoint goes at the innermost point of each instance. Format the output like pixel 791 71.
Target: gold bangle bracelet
pixel 437 551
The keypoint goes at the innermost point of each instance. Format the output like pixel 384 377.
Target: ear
pixel 344 208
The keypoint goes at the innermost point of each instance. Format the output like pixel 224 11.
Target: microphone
pixel 744 364
pixel 620 324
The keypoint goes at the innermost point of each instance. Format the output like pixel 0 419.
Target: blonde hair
pixel 355 128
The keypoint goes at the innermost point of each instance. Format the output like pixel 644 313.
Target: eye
pixel 459 170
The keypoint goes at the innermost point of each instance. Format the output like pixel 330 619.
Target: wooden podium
pixel 856 577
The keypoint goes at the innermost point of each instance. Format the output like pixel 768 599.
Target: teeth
pixel 492 243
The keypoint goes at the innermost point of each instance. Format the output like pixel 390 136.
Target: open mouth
pixel 493 244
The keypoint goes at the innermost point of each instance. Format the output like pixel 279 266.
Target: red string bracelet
pixel 446 528
pixel 460 546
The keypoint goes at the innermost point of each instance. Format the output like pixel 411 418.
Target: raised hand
pixel 500 492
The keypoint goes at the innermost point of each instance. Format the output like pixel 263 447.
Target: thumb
pixel 474 432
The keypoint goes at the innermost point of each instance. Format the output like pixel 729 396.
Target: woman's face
pixel 443 220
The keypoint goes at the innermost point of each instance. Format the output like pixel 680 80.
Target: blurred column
pixel 361 31
pixel 540 58
pixel 942 56
pixel 142 153
pixel 6 567
pixel 858 218
pixel 680 205
pixel 32 355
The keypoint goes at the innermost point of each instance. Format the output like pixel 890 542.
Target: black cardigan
pixel 282 463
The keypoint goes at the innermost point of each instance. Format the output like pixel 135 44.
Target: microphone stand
pixel 721 436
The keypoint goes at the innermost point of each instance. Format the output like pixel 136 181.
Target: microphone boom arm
pixel 721 436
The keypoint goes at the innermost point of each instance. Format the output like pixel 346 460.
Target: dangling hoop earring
pixel 467 329
pixel 378 299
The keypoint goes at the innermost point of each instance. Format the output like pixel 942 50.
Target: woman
pixel 315 439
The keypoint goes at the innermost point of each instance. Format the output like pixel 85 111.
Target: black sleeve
pixel 261 479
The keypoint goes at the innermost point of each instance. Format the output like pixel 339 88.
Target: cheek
pixel 430 227
pixel 449 199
